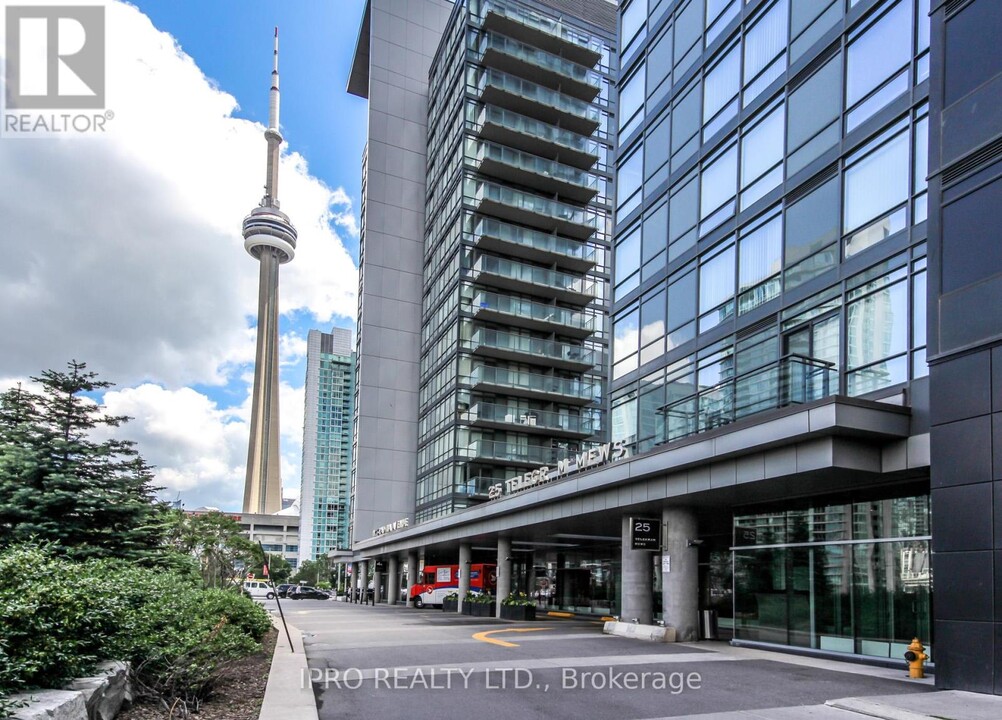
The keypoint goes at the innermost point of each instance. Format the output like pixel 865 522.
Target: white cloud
pixel 125 251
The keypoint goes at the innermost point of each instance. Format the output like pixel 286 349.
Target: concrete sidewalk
pixel 289 694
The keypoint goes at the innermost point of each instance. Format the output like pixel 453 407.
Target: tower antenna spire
pixel 273 136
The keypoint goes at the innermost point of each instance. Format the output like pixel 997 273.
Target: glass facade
pixel 769 245
pixel 514 341
pixel 849 577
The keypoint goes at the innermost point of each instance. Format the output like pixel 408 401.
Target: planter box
pixel 468 608
pixel 483 609
pixel 450 605
pixel 518 612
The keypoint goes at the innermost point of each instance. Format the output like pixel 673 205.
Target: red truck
pixel 437 581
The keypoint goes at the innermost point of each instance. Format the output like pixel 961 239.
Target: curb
pixel 289 693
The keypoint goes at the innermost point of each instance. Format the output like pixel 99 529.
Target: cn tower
pixel 270 238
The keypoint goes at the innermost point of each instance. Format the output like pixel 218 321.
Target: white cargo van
pixel 259 589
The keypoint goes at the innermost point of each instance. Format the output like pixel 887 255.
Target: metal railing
pixel 536 347
pixel 544 419
pixel 535 239
pixel 535 382
pixel 541 312
pixel 490 265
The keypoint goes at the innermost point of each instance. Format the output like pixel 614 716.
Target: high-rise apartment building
pixel 516 253
pixel 327 431
pixel 805 376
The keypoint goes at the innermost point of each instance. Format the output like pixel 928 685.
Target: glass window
pixel 631 103
pixel 624 343
pixel 656 146
pixel 634 17
pixel 721 87
pixel 629 176
pixel 812 228
pixel 719 185
pixel 874 185
pixel 718 14
pixel 682 309
pixel 762 157
pixel 682 218
pixel 655 239
pixel 760 258
pixel 921 144
pixel 659 67
pixel 765 42
pixel 814 109
pixel 685 122
pixel 877 328
pixel 884 50
pixel 627 260
pixel 652 320
pixel 918 310
pixel 688 32
pixel 716 286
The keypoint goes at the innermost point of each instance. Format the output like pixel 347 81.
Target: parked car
pixel 284 588
pixel 304 592
pixel 259 589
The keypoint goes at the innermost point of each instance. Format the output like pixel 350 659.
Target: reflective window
pixel 814 110
pixel 877 329
pixel 627 262
pixel 874 185
pixel 720 91
pixel 682 309
pixel 652 327
pixel 719 186
pixel 682 218
pixel 688 33
pixel 718 14
pixel 624 343
pixel 629 177
pixel 656 146
pixel 634 16
pixel 765 46
pixel 631 103
pixel 716 289
pixel 879 59
pixel 760 260
pixel 762 157
pixel 655 240
pixel 659 67
pixel 685 125
pixel 812 229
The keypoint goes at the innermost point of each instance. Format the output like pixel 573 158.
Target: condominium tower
pixel 327 422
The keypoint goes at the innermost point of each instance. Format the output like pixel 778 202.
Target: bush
pixel 62 617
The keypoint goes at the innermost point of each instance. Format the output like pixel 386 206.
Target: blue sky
pixel 130 256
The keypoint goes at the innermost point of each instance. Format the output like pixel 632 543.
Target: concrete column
pixel 353 595
pixel 465 559
pixel 504 571
pixel 638 596
pixel 363 581
pixel 680 585
pixel 413 573
pixel 377 582
pixel 392 581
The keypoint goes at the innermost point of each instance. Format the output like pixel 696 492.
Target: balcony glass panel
pixel 479 191
pixel 513 452
pixel 535 128
pixel 540 58
pixel 538 93
pixel 533 275
pixel 545 419
pixel 480 151
pixel 534 310
pixel 550 26
pixel 537 382
pixel 489 227
pixel 486 337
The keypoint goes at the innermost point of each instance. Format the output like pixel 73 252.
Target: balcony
pixel 548 388
pixel 515 166
pixel 525 133
pixel 532 280
pixel 525 208
pixel 536 101
pixel 542 422
pixel 518 58
pixel 520 348
pixel 518 21
pixel 505 453
pixel 521 242
pixel 477 487
pixel 792 380
pixel 516 312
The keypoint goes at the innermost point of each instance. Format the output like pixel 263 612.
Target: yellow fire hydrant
pixel 916 658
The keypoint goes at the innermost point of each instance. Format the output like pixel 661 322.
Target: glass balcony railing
pixel 513 452
pixel 534 240
pixel 478 152
pixel 536 93
pixel 535 347
pixel 536 129
pixel 534 382
pixel 572 319
pixel 479 485
pixel 541 419
pixel 792 380
pixel 543 60
pixel 551 26
pixel 567 218
pixel 554 279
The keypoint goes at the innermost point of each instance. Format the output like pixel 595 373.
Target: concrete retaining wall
pixel 99 697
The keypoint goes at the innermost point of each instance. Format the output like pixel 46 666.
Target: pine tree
pixel 58 484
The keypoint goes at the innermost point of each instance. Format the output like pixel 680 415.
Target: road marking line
pixel 482 636
pixel 554 613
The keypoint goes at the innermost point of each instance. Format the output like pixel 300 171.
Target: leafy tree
pixel 313 572
pixel 215 540
pixel 279 568
pixel 59 485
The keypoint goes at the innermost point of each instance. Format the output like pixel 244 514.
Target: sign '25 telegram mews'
pixel 600 455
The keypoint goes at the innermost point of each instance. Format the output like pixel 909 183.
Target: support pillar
pixel 363 582
pixel 504 572
pixel 377 581
pixel 680 585
pixel 637 585
pixel 465 560
pixel 353 595
pixel 413 574
pixel 392 581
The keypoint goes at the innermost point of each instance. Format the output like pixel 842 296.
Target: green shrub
pixel 60 617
